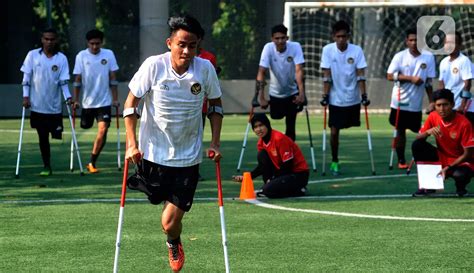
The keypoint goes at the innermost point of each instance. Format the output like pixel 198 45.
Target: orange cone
pixel 246 190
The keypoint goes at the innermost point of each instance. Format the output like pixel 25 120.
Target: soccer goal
pixel 378 27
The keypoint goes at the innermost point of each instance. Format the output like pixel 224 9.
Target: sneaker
pixel 335 168
pixel 176 256
pixel 461 192
pixel 423 192
pixel 402 166
pixel 46 171
pixel 91 168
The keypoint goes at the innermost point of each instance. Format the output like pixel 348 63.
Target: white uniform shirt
pixel 45 75
pixel 94 70
pixel 171 122
pixel 282 68
pixel 453 74
pixel 411 95
pixel 343 65
pixel 470 107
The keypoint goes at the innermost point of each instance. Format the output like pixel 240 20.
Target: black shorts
pixel 53 123
pixel 470 117
pixel 176 185
pixel 282 107
pixel 406 120
pixel 100 114
pixel 342 117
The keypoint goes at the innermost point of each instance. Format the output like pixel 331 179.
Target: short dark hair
pixel 458 37
pixel 185 22
pixel 279 28
pixel 410 31
pixel 94 34
pixel 443 94
pixel 341 25
pixel 49 30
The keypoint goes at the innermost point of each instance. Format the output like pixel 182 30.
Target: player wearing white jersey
pixel 412 72
pixel 343 66
pixel 95 72
pixel 455 73
pixel 285 61
pixel 173 86
pixel 45 77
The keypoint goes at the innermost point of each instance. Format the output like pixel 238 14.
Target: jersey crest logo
pixel 103 61
pixel 289 59
pixel 196 88
pixel 350 60
pixel 423 66
pixel 453 135
pixel 54 68
pixel 455 70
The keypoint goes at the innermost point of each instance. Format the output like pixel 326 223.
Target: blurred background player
pixel 95 71
pixel 173 86
pixel 414 71
pixel 45 77
pixel 454 141
pixel 281 163
pixel 343 66
pixel 285 61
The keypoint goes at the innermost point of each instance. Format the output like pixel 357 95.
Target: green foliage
pixel 59 21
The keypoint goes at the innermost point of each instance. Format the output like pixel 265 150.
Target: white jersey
pixel 282 67
pixel 343 65
pixel 45 76
pixel 171 122
pixel 453 74
pixel 411 95
pixel 95 71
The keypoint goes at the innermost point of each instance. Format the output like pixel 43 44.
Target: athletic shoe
pixel 91 168
pixel 335 168
pixel 402 166
pixel 461 192
pixel 423 192
pixel 46 171
pixel 176 256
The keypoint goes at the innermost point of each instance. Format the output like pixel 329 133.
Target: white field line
pixel 356 215
pixel 358 178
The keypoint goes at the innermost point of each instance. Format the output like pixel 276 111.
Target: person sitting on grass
pixel 454 141
pixel 281 163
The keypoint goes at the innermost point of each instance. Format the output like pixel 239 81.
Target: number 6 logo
pixel 432 32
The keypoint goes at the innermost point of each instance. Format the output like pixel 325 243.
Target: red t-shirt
pixel 455 136
pixel 212 58
pixel 281 148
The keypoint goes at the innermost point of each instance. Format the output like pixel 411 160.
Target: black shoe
pixel 461 192
pixel 423 192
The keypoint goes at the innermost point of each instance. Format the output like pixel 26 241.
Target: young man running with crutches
pixel 343 66
pixel 168 151
pixel 45 77
pixel 414 71
pixel 95 70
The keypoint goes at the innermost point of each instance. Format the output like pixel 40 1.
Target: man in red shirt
pixel 454 141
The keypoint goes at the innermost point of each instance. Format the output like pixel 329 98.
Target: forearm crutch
pixel 395 129
pixel 120 221
pixel 369 140
pixel 119 164
pixel 310 139
pixel 324 141
pixel 244 144
pixel 73 131
pixel 221 211
pixel 412 162
pixel 20 140
pixel 71 158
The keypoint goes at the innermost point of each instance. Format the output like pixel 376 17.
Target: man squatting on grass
pixel 173 86
pixel 45 76
pixel 281 163
pixel 454 141
pixel 95 69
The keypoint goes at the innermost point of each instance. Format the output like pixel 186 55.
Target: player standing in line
pixel 285 61
pixel 412 72
pixel 343 66
pixel 173 86
pixel 45 77
pixel 95 72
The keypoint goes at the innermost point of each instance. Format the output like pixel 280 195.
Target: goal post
pixel 378 27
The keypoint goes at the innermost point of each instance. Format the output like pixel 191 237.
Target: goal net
pixel 379 28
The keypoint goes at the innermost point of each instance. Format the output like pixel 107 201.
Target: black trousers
pixel 278 183
pixel 424 151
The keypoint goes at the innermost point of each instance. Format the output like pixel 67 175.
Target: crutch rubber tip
pixel 323 174
pixel 238 170
pixel 373 173
pixel 119 169
pixel 408 172
pixel 82 174
pixel 17 176
pixel 390 167
pixel 72 170
pixel 315 171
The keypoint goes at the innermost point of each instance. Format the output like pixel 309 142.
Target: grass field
pixel 355 222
